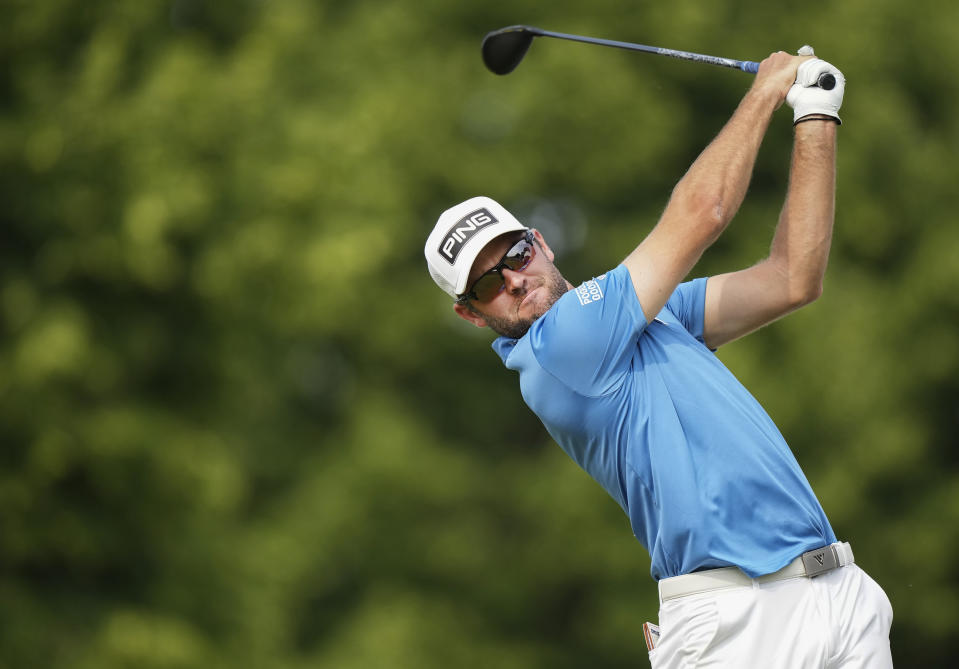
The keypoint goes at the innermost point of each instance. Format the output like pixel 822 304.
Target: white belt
pixel 809 564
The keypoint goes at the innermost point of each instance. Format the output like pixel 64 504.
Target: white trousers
pixel 838 620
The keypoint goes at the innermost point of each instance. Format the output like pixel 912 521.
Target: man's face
pixel 526 295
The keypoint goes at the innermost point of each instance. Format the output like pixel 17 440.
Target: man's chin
pixel 519 325
pixel 514 329
pixel 536 303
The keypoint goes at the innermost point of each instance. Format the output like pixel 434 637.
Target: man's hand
pixel 806 97
pixel 776 75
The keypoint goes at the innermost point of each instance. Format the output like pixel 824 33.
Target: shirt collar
pixel 504 346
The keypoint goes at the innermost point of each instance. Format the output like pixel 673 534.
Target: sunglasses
pixel 491 282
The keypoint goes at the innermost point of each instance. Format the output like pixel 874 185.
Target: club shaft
pixel 744 65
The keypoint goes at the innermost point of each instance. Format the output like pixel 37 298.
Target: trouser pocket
pixel 687 628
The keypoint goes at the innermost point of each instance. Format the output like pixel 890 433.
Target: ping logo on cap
pixel 462 231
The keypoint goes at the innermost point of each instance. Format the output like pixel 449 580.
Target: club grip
pixel 827 82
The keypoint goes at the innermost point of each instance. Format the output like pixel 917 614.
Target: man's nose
pixel 514 281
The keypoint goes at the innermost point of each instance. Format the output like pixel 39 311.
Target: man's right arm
pixel 705 200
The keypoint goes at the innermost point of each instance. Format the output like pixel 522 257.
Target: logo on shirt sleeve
pixel 588 292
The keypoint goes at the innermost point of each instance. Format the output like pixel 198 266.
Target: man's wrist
pixel 759 105
pixel 818 117
pixel 766 97
pixel 817 131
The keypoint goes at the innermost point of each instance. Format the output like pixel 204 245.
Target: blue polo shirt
pixel 649 412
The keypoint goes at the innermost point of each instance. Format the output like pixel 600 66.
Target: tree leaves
pixel 240 426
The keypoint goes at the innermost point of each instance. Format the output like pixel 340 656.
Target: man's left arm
pixel 792 275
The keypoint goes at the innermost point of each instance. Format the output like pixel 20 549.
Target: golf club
pixel 503 50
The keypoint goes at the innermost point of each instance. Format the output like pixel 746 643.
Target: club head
pixel 503 49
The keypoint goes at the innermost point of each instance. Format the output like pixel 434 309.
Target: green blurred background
pixel 241 427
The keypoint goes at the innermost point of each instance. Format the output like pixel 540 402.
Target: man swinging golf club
pixel 621 371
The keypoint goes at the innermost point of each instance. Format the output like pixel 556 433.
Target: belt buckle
pixel 820 561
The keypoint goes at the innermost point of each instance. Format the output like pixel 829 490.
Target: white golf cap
pixel 458 237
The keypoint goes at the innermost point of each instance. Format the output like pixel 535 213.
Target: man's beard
pixel 555 286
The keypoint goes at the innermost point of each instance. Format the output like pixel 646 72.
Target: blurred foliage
pixel 240 426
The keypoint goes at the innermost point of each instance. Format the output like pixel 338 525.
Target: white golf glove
pixel 806 97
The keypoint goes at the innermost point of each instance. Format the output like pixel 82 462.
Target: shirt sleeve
pixel 688 305
pixel 588 338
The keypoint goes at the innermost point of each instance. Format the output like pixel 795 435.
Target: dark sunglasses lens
pixel 519 255
pixel 488 286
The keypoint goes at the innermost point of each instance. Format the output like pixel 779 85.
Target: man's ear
pixel 463 312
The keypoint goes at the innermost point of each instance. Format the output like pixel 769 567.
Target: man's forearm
pixel 803 235
pixel 720 175
pixel 741 302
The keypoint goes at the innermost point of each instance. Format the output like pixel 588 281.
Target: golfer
pixel 621 371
